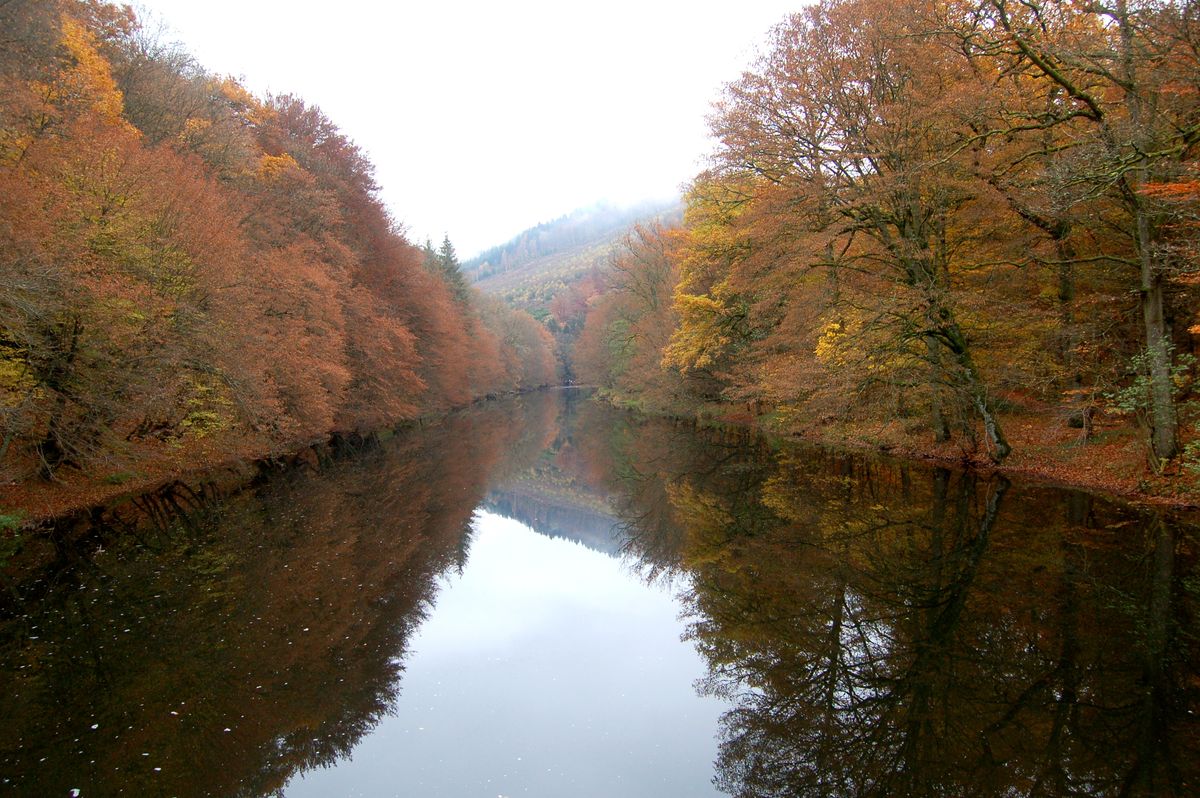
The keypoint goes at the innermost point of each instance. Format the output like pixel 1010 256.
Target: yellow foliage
pixel 194 128
pixel 851 341
pixel 209 409
pixel 704 300
pixel 245 103
pixel 706 523
pixel 713 238
pixel 830 348
pixel 271 166
pixel 842 342
pixel 14 376
pixel 699 340
pixel 90 80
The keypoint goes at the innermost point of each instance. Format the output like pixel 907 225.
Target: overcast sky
pixel 485 118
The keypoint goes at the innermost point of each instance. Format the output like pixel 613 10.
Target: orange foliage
pixel 914 229
pixel 188 269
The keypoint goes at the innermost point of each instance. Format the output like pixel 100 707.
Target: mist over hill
pixel 528 270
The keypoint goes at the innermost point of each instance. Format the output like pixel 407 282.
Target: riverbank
pixel 36 502
pixel 1113 460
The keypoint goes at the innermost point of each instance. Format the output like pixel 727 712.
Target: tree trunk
pixel 1164 425
pixel 941 428
pixel 51 451
pixel 1163 422
pixel 956 342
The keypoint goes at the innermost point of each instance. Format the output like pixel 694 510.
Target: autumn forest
pixel 192 273
pixel 967 228
pixel 960 228
pixel 865 462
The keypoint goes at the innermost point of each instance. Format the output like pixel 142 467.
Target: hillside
pixel 529 270
pixel 194 275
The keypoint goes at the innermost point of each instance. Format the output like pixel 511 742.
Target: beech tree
pixel 187 271
pixel 626 333
pixel 848 113
pixel 112 263
pixel 526 347
pixel 1123 76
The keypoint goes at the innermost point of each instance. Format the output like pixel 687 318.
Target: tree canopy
pixel 941 220
pixel 189 272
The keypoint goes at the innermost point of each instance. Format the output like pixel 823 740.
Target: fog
pixel 484 119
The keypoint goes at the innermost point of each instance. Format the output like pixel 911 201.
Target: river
pixel 548 597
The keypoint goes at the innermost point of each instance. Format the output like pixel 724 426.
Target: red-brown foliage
pixel 224 282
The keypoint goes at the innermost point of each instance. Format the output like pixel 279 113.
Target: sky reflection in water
pixel 545 668
pixel 382 626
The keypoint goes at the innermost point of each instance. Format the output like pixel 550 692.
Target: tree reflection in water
pixel 220 650
pixel 888 629
pixel 878 629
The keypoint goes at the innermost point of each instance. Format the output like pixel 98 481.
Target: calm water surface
pixel 546 597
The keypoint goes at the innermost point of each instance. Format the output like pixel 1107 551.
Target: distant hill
pixel 535 265
pixel 558 514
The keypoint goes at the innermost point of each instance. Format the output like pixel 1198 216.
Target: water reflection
pixel 892 630
pixel 545 670
pixel 871 628
pixel 220 652
pixel 556 495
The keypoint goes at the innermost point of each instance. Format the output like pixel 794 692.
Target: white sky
pixel 485 118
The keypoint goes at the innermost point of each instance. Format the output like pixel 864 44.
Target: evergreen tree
pixel 446 261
